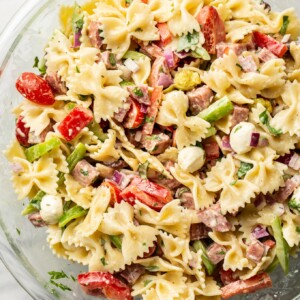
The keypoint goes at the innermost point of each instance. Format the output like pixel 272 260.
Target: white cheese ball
pixel 51 209
pixel 191 158
pixel 240 137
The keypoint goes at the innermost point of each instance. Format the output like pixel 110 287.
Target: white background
pixel 9 288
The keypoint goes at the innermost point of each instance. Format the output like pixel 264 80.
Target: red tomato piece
pixel 74 122
pixel 133 193
pixel 22 132
pixel 212 27
pixel 155 100
pixel 265 41
pixel 103 283
pixel 35 88
pixel 145 1
pixel 165 34
pixel 114 192
pixel 135 117
pixel 155 190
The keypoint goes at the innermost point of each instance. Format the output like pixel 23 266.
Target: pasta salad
pixel 159 143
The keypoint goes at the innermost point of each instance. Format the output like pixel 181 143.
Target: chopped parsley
pixel 60 285
pixel 73 278
pixel 146 282
pixel 78 24
pixel 149 119
pixel 77 69
pixel 57 275
pixel 128 2
pixel 40 65
pixel 144 244
pixel 152 268
pixel 139 30
pixel 233 182
pixel 264 118
pixel 238 128
pixel 244 168
pixel 238 65
pixel 285 24
pixel 221 252
pixel 36 62
pixel 112 59
pixel 298 229
pixel 84 172
pixel 116 241
pixel 18 231
pixel 138 92
pixel 83 97
pixel 103 261
pixel 186 42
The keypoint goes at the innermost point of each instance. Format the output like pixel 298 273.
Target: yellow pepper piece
pixel 186 80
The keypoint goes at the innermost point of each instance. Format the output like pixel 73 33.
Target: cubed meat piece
pixel 240 114
pixel 224 48
pixel 199 231
pixel 94 34
pixel 248 63
pixel 109 60
pixel 140 93
pixel 37 220
pixel 56 84
pixel 269 244
pixel 187 200
pixel 122 112
pixel 265 55
pixel 151 50
pixel 85 173
pixel 213 218
pixel 284 192
pixel 212 150
pixel 132 273
pixel 227 277
pixel 156 143
pixel 216 253
pixel 251 285
pixel 134 137
pixel 119 164
pixel 255 251
pixel 199 99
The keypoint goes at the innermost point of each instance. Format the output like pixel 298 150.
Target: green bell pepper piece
pixel 200 52
pixel 217 110
pixel 210 132
pixel 77 19
pixel 282 248
pixel 116 240
pixel 71 214
pixel 97 130
pixel 125 83
pixel 34 204
pixel 210 267
pixel 35 152
pixel 134 55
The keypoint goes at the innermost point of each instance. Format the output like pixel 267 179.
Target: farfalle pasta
pixel 159 145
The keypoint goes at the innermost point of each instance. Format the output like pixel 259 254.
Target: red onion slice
pixel 226 143
pixel 285 159
pixel 77 37
pixel 169 56
pixel 294 162
pixel 259 232
pixel 254 139
pixel 121 179
pixel 182 54
pixel 164 80
pixel 144 108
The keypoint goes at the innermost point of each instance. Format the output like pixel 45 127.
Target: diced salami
pixel 248 63
pixel 199 99
pixel 94 34
pixel 140 93
pixel 156 143
pixel 227 277
pixel 265 55
pixel 187 200
pixel 216 253
pixel 212 150
pixel 199 231
pixel 284 192
pixel 255 251
pixel 213 218
pixel 151 50
pixel 37 220
pixel 56 84
pixel 240 114
pixel 85 173
pixel 132 273
pixel 224 48
pixel 212 27
pixel 250 285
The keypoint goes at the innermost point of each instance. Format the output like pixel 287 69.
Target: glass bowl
pixel 23 249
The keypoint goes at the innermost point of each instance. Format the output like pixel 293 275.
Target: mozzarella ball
pixel 191 159
pixel 51 209
pixel 240 137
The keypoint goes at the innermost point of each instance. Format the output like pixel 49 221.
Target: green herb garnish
pixel 103 261
pixel 187 41
pixel 84 172
pixel 264 118
pixel 57 275
pixel 244 168
pixel 152 268
pixel 138 92
pixel 143 169
pixel 116 240
pixel 112 59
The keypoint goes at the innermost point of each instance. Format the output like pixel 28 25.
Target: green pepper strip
pixel 97 130
pixel 71 214
pixel 36 151
pixel 34 204
pixel 116 240
pixel 76 156
pixel 125 83
pixel 217 110
pixel 282 248
pixel 134 55
pixel 210 267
